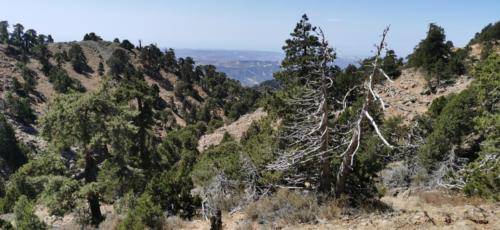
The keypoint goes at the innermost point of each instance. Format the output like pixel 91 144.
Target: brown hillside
pixel 95 52
pixel 407 96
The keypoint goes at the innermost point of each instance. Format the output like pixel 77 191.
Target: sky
pixel 352 27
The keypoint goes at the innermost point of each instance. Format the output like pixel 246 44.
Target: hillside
pixel 109 135
pixel 97 52
pixel 409 96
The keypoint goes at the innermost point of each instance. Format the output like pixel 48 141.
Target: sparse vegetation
pixel 435 56
pixel 322 143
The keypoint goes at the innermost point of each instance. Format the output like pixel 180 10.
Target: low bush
pixel 286 206
pixel 25 218
pixel 145 214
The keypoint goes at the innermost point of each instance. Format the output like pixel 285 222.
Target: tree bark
pixel 216 221
pixel 346 168
pixel 92 198
pixel 325 183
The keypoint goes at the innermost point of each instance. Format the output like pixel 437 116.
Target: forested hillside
pixel 112 135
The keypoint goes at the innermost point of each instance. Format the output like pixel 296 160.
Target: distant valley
pixel 247 66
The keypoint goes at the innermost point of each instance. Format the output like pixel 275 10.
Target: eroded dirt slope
pixel 408 96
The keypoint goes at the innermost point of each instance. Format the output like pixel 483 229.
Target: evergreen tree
pixel 61 81
pixel 186 70
pixel 301 54
pixel 391 64
pixel 9 148
pixel 135 88
pixel 29 40
pixel 41 39
pixel 92 37
pixel 145 214
pixel 100 69
pixel 490 33
pixel 119 63
pixel 19 107
pixel 61 57
pixel 170 61
pixel 434 54
pixel 97 126
pixel 29 77
pixel 50 39
pixel 78 59
pixel 16 37
pixel 25 217
pixel 4 32
pixel 151 60
pixel 42 53
pixel 126 44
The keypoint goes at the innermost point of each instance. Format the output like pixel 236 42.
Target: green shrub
pixel 25 217
pixel 145 214
pixel 78 59
pixel 482 177
pixel 437 106
pixel 222 158
pixel 468 124
pixel 59 194
pixel 172 191
pixel 453 122
pixel 5 225
pixel 9 147
pixel 435 55
pixel 30 179
pixel 62 83
pixel 19 107
pixel 491 32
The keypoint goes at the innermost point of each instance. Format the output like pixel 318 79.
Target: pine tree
pixel 25 218
pixel 95 124
pixel 170 61
pixel 29 40
pixel 9 148
pixel 16 37
pixel 302 54
pixel 4 32
pixel 78 59
pixel 119 63
pixel 433 54
pixel 391 64
pixel 50 39
pixel 126 44
pixel 151 60
pixel 100 69
pixel 307 75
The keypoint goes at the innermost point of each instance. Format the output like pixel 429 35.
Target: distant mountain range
pixel 247 66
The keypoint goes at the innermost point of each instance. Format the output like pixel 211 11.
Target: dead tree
pixel 310 132
pixel 307 133
pixel 371 96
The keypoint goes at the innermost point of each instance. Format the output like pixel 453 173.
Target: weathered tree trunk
pixel 92 198
pixel 216 221
pixel 325 183
pixel 345 168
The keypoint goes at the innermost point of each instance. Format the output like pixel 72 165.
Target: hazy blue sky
pixel 351 26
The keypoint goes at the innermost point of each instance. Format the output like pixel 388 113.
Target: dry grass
pixel 287 207
pixel 173 223
pixel 440 198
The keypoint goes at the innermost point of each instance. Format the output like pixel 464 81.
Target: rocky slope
pixel 236 129
pixel 408 96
